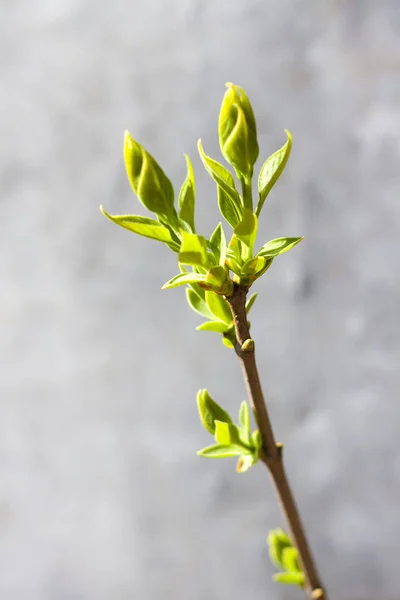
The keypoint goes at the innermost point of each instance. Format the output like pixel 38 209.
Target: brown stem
pixel 272 452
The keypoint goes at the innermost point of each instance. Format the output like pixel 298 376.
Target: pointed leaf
pixel 290 560
pixel 219 307
pixel 141 225
pixel 291 578
pixel 278 246
pixel 218 244
pixel 183 279
pixel 187 197
pixel 210 411
pixel 227 433
pixel 220 451
pixel 253 265
pixel 256 439
pixel 194 250
pixel 228 343
pixel 216 326
pixel 244 421
pixel 229 200
pixel 148 180
pixel 246 230
pixel 250 302
pixel 197 304
pixel 277 540
pixel 272 170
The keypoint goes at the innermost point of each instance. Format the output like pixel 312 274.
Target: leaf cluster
pixel 231 439
pixel 285 557
pixel 211 266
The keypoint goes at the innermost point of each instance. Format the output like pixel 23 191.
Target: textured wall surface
pixel 102 496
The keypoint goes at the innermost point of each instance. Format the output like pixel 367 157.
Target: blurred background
pixel 102 496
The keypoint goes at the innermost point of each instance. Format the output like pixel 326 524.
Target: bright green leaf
pixel 278 246
pixel 216 326
pixel 194 250
pixel 229 200
pixel 272 170
pixel 290 560
pixel 290 578
pixel 228 343
pixel 253 265
pixel 277 540
pixel 148 180
pixel 187 197
pixel 182 279
pixel 250 302
pixel 220 451
pixel 210 411
pixel 256 439
pixel 141 225
pixel 219 307
pixel 197 304
pixel 218 244
pixel 227 433
pixel 246 230
pixel 244 421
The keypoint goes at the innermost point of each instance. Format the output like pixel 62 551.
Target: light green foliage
pixel 284 556
pixel 143 226
pixel 229 201
pixel 232 440
pixel 148 181
pixel 271 170
pixel 246 232
pixel 219 307
pixel 278 246
pixel 187 197
pixel 210 411
pixel 194 250
pixel 217 244
pixel 238 132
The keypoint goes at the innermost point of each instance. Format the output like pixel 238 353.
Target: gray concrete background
pixel 102 496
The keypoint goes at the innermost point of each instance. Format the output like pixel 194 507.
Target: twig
pixel 273 458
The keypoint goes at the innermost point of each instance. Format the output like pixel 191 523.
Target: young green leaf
pixel 246 230
pixel 220 451
pixel 278 246
pixel 216 326
pixel 183 279
pixel 229 200
pixel 187 197
pixel 194 250
pixel 228 343
pixel 253 265
pixel 197 304
pixel 244 421
pixel 250 302
pixel 227 433
pixel 141 225
pixel 210 411
pixel 290 578
pixel 148 181
pixel 271 171
pixel 219 307
pixel 256 439
pixel 277 540
pixel 290 560
pixel 218 244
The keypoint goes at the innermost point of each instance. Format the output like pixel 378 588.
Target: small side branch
pixel 273 459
